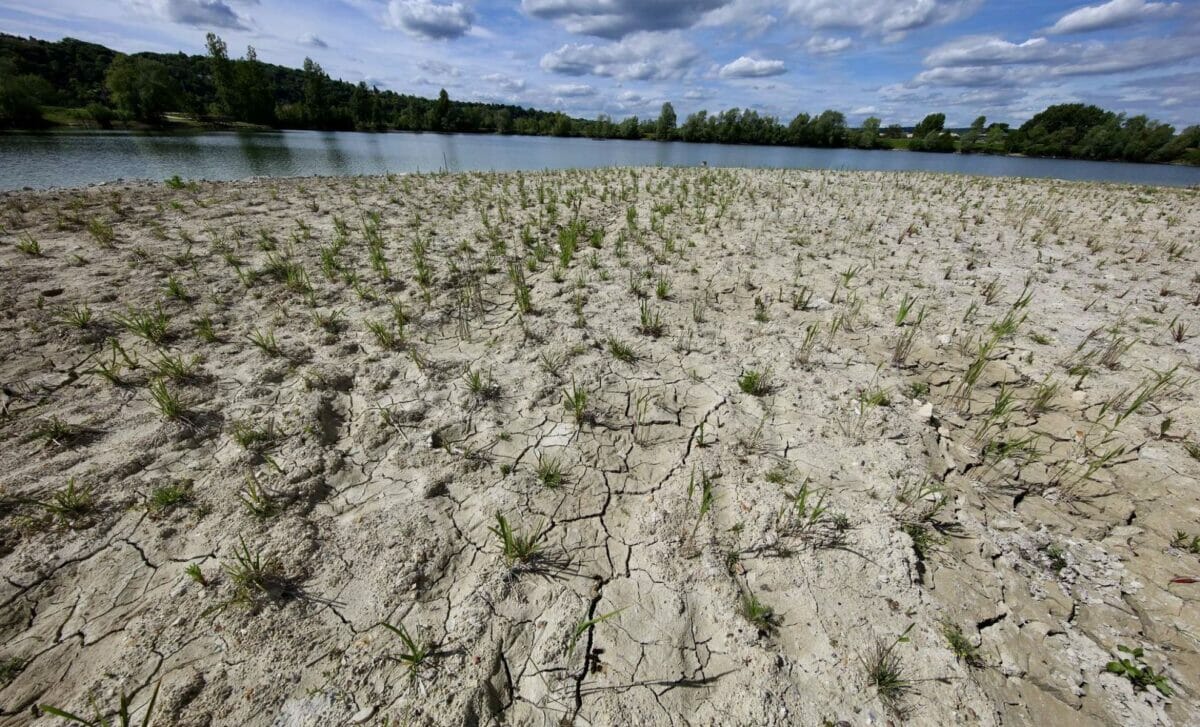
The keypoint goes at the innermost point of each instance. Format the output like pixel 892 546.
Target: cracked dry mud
pixel 1017 478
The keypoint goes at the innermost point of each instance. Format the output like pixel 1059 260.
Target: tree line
pixel 103 86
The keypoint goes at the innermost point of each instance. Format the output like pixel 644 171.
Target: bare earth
pixel 956 518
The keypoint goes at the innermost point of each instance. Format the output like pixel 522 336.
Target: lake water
pixel 72 159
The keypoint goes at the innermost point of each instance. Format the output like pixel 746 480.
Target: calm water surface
pixel 72 159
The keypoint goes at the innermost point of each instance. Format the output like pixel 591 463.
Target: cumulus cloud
pixel 505 83
pixel 438 68
pixel 982 61
pixel 820 45
pixel 573 90
pixel 429 19
pixel 641 57
pixel 754 17
pixel 1130 55
pixel 1170 91
pixel 891 20
pixel 1113 14
pixel 747 67
pixel 967 76
pixel 988 50
pixel 313 40
pixel 197 13
pixel 615 19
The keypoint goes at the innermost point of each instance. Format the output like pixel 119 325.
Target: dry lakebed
pixel 607 447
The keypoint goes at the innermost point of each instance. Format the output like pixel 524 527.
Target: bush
pixel 100 114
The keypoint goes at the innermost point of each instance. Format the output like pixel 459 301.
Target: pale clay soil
pixel 1015 521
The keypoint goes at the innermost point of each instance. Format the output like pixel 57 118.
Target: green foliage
pixel 142 88
pixel 1142 675
pixel 759 614
pixel 169 404
pixel 9 669
pixel 169 496
pixel 582 627
pixel 71 504
pixel 517 546
pixel 415 652
pixel 98 719
pixel 21 97
pixel 253 577
pixel 755 383
pixel 621 351
pixel 72 73
pixel 962 647
pixel 576 400
pixel 886 672
pixel 150 325
pixel 550 472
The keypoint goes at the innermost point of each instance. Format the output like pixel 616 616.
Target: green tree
pixel 439 113
pixel 994 141
pixel 665 131
pixel 222 74
pixel 21 97
pixel 933 123
pixel 829 129
pixel 562 125
pixel 504 121
pixel 255 96
pixel 695 127
pixel 360 105
pixel 931 135
pixel 970 140
pixel 141 88
pixel 317 111
pixel 868 135
pixel 630 128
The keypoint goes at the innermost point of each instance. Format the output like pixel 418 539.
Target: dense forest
pixel 72 81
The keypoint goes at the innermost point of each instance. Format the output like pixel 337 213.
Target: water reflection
pixel 336 158
pixel 76 159
pixel 265 154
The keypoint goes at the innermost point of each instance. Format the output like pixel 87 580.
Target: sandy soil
pixel 756 494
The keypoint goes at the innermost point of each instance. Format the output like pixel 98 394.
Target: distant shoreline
pixel 181 125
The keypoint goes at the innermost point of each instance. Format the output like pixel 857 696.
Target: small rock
pixel 1004 524
pixel 923 413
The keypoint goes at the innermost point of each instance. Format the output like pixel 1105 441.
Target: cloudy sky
pixel 897 59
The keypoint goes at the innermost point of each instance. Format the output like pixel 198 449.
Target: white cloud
pixel 990 61
pixel 754 17
pixel 747 67
pixel 820 45
pixel 1113 14
pixel 504 83
pixel 573 90
pixel 429 19
pixel 196 13
pixel 986 50
pixel 888 19
pixel 642 57
pixel 438 68
pixel 967 76
pixel 616 19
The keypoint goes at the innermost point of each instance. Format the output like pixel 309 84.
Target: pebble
pixel 924 412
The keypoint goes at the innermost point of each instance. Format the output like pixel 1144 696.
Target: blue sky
pixel 895 59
